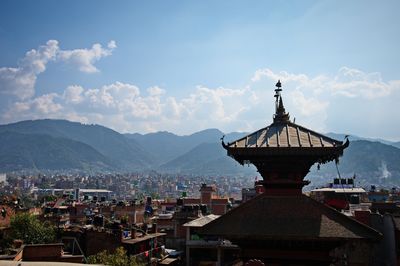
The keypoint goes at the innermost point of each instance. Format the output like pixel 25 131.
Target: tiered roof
pixel 268 217
pixel 284 135
pixel 283 153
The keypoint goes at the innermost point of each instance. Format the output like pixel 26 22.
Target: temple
pixel 282 226
pixel 283 152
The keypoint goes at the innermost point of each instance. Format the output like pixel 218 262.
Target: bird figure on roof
pixel 223 142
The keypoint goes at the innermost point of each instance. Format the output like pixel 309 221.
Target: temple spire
pixel 280 112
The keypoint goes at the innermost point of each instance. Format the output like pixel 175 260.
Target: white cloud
pixel 73 94
pixel 154 91
pixel 348 82
pixel 112 44
pixel 311 111
pixel 43 106
pixel 282 75
pixel 20 81
pixel 84 59
pixel 307 106
pixel 125 107
pixel 355 83
pixel 322 102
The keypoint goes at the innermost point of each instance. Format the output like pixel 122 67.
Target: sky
pixel 184 66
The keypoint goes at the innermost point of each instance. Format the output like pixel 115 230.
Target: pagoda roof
pixel 284 135
pixel 285 138
pixel 267 217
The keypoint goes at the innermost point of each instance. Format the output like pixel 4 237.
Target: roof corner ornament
pixel 346 144
pixel 223 142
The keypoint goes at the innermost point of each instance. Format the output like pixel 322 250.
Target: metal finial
pixel 280 113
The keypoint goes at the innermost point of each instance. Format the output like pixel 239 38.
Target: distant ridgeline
pixel 60 145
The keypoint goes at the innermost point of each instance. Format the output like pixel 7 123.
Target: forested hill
pixel 62 145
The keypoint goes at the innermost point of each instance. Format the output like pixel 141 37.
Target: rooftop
pixel 143 238
pixel 200 222
pixel 340 190
pixel 286 217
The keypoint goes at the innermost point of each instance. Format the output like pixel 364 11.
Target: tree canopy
pixel 117 258
pixel 28 228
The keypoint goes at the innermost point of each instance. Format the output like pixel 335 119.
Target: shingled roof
pixel 285 138
pixel 284 135
pixel 287 218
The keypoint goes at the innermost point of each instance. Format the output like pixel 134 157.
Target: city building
pixel 206 250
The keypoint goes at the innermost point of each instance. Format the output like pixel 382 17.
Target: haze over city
pixel 187 66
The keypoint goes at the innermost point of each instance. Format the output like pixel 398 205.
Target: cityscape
pixel 199 133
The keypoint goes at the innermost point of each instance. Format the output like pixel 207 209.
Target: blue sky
pixel 184 66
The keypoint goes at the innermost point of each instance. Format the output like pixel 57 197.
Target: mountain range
pixel 120 152
pixel 38 145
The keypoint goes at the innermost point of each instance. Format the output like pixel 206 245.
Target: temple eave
pixel 321 155
pixel 284 150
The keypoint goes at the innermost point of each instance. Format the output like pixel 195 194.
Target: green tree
pixel 28 228
pixel 27 201
pixel 117 258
